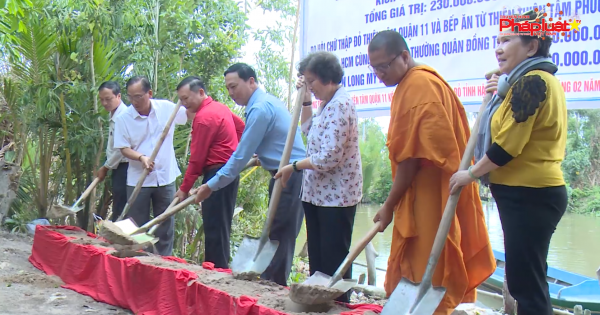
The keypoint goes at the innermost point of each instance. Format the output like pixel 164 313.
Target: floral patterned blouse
pixel 332 147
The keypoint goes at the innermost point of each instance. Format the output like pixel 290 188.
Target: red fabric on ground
pixel 359 309
pixel 144 289
pixel 210 266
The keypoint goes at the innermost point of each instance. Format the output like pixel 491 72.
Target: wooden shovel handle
pixel 354 252
pixel 172 210
pixel 158 219
pixel 168 213
pixel 87 192
pixel 140 182
pixel 491 73
pixel 450 209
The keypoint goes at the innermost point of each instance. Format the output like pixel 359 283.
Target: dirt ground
pixel 25 290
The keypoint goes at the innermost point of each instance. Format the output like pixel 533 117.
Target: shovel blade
pixel 128 226
pixel 405 299
pixel 243 261
pixel 144 238
pixel 318 278
pixel 59 211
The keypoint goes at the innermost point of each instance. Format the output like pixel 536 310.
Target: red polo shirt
pixel 216 132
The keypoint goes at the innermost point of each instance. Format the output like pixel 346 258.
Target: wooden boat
pixel 567 289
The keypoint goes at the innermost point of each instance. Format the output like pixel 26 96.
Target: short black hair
pixel 324 65
pixel 111 85
pixel 139 78
pixel 194 82
pixel 244 71
pixel 392 41
pixel 544 42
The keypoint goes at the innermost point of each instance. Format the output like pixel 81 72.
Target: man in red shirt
pixel 216 132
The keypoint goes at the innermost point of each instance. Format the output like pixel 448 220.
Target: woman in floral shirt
pixel 332 185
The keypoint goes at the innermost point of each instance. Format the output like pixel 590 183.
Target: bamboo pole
pixel 289 99
pixel 92 201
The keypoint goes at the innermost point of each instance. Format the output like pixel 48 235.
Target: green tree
pixel 372 144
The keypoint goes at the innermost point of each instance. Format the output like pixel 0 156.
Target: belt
pixel 212 167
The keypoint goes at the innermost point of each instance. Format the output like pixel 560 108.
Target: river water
pixel 575 246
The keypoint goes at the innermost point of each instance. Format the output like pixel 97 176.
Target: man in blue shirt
pixel 267 124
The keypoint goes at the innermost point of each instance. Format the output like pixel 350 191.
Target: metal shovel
pixel 140 182
pixel 126 232
pixel 58 211
pixel 129 228
pixel 319 279
pixel 422 298
pixel 254 255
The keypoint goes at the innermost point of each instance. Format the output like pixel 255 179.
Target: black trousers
pixel 329 234
pixel 119 190
pixel 285 229
pixel 155 199
pixel 529 217
pixel 217 214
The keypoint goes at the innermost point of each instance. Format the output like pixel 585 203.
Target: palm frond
pixel 104 55
pixel 36 47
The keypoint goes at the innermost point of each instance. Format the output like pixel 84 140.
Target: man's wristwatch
pixel 295 167
pixel 307 104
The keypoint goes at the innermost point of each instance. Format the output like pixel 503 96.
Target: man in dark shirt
pixel 216 132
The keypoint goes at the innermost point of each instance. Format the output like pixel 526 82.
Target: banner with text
pixel 456 37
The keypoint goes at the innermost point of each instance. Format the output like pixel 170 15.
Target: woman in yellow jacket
pixel 521 144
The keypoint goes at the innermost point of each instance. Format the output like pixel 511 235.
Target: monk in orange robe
pixel 427 136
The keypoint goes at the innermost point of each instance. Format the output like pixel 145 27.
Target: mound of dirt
pixel 269 294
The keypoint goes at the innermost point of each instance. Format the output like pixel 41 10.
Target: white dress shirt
pixel 141 134
pixel 114 156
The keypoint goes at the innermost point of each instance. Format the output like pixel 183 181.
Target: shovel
pixel 126 232
pixel 138 186
pixel 58 211
pixel 325 288
pixel 153 224
pixel 422 298
pixel 254 255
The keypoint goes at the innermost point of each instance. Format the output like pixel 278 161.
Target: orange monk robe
pixel 429 123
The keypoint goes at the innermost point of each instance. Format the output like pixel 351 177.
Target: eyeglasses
pixel 137 97
pixel 382 68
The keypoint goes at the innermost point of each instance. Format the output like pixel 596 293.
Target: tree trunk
pixel 63 118
pixel 9 183
pixel 304 251
pixel 289 100
pixel 371 254
pixel 156 51
pixel 96 166
pixel 510 305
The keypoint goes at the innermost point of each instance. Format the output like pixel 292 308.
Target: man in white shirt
pixel 109 93
pixel 137 132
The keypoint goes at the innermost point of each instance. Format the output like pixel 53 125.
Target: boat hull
pixel 566 289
